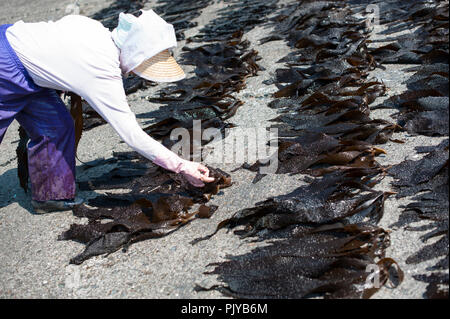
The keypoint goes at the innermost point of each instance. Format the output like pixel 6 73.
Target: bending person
pixel 78 54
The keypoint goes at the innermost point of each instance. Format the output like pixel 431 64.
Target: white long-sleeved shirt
pixel 77 54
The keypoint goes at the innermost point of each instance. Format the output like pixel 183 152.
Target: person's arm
pixel 108 98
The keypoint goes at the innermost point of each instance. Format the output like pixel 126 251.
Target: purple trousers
pixel 44 116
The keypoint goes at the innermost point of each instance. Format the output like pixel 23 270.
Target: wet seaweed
pixel 157 203
pixel 181 13
pixel 326 131
pixel 22 159
pixel 318 154
pixel 423 109
pixel 427 39
pixel 424 106
pixel 325 121
pixel 427 180
pixel 437 285
pixel 310 262
pixel 222 69
pixel 138 220
pixel 344 196
pixel 410 173
pixel 109 16
pixel 235 16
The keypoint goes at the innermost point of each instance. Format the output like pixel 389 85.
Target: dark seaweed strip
pixel 181 13
pixel 22 159
pixel 343 196
pixel 76 110
pixel 331 97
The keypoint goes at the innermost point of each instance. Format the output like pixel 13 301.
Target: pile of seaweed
pixel 235 16
pixel 157 203
pixel 423 110
pixel 109 16
pixel 323 236
pixel 222 65
pixel 181 13
pixel 221 70
pixel 324 95
pixel 424 106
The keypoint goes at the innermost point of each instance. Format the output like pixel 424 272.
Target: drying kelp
pixel 109 16
pixel 158 202
pixel 228 63
pixel 427 38
pixel 222 69
pixel 181 13
pixel 411 173
pixel 334 262
pixel 424 110
pixel 427 181
pixel 142 177
pixel 326 131
pixel 134 222
pixel 424 106
pixel 437 285
pixel 236 16
pixel 163 129
pixel 318 154
pixel 324 245
pixel 325 121
pixel 344 196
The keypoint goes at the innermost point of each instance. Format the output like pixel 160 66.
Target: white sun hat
pixel 144 45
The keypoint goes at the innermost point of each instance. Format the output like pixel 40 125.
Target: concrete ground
pixel 33 264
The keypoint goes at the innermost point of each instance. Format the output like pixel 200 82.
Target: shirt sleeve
pixel 107 97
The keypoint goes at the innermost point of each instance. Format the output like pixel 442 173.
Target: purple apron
pixel 44 116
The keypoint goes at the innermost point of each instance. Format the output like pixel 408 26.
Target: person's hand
pixel 196 173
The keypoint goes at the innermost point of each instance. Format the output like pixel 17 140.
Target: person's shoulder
pixel 81 22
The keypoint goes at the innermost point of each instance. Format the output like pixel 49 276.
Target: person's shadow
pixel 11 192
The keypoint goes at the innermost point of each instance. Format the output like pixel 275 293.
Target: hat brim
pixel 160 68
